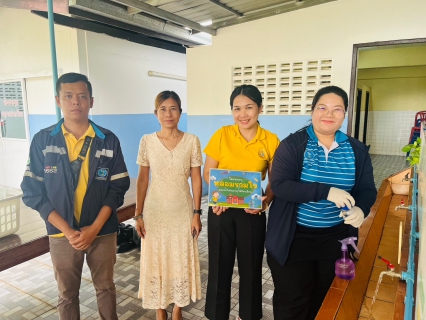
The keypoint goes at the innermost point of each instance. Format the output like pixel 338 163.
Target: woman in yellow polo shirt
pixel 242 146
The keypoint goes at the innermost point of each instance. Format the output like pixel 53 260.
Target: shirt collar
pixel 339 136
pixel 90 131
pixel 260 134
pixel 57 128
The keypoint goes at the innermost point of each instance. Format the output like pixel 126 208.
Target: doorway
pixel 388 87
pixel 362 103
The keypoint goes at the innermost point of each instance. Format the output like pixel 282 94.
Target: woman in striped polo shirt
pixel 315 172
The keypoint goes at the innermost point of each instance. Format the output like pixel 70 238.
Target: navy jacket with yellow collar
pixel 47 183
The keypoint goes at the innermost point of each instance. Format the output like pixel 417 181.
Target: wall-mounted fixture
pixel 166 75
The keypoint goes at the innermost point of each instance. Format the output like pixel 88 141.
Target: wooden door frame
pixel 354 69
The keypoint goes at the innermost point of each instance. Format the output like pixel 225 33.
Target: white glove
pixel 340 198
pixel 355 219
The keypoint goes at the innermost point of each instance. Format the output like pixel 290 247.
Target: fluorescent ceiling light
pixel 165 75
pixel 206 23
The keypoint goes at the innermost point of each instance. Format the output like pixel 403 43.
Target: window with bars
pixel 12 121
pixel 287 88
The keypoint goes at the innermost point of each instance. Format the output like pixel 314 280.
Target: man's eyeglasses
pixel 338 112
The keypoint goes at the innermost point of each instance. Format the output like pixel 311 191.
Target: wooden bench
pixel 31 240
pixel 344 298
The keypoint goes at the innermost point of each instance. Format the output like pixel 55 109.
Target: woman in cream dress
pixel 167 215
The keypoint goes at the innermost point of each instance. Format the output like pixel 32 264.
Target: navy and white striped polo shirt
pixel 335 167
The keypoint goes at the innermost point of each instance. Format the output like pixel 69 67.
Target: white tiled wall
pixel 389 131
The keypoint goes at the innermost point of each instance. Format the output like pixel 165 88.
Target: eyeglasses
pixel 338 112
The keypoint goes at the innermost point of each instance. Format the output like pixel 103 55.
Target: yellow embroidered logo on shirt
pixel 262 153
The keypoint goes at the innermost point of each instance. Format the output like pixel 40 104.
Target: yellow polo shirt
pixel 228 147
pixel 74 147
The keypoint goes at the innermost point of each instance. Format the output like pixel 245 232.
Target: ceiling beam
pixel 118 12
pixel 75 12
pixel 224 6
pixel 112 31
pixel 267 12
pixel 155 3
pixel 165 15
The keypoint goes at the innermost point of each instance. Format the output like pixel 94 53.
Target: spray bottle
pixel 346 211
pixel 344 267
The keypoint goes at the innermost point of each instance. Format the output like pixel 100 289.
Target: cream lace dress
pixel 170 269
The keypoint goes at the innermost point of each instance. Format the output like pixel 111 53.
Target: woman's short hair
pixel 249 91
pixel 330 89
pixel 163 96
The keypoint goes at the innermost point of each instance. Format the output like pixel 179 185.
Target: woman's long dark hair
pixel 249 91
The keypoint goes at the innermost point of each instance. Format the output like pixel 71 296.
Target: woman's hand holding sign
pixel 258 211
pixel 217 210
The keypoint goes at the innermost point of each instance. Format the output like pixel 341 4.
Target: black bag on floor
pixel 127 238
pixel 125 233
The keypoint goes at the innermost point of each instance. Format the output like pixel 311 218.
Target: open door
pixel 367 104
pixel 362 103
pixel 357 112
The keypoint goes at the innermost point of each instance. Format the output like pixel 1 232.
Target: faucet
pixel 402 205
pixel 406 177
pixel 389 265
pixel 390 274
pixel 391 269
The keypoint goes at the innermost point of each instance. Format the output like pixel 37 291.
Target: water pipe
pixel 53 52
pixel 409 275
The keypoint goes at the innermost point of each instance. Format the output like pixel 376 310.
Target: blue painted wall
pixel 129 128
pixel 205 126
pixel 37 122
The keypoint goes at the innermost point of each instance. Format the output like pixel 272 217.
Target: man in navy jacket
pixel 76 179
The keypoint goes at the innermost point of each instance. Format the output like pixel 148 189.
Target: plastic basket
pixel 9 215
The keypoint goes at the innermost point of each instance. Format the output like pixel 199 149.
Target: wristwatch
pixel 198 211
pixel 138 217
